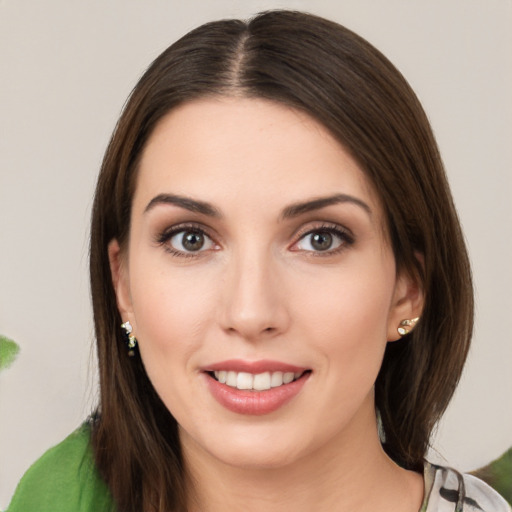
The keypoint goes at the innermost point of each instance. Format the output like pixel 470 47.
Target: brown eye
pixel 187 241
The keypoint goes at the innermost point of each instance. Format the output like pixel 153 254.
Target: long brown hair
pixel 339 79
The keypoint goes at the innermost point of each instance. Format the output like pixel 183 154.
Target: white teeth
pixel 288 377
pixel 276 380
pixel 244 380
pixel 258 382
pixel 231 379
pixel 261 381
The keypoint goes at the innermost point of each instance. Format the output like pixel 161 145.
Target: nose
pixel 254 304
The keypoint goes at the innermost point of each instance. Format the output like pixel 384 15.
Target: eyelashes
pixel 191 240
pixel 326 239
pixel 186 240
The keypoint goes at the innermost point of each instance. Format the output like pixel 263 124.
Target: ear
pixel 120 281
pixel 408 300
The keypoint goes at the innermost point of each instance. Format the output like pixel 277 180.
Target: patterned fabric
pixel 447 490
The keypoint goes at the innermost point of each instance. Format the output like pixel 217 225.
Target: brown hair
pixel 343 82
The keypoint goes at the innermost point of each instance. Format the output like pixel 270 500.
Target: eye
pixel 324 239
pixel 191 241
pixel 185 241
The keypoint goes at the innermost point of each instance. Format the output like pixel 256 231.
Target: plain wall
pixel 66 69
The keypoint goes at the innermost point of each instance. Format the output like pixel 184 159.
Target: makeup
pixel 254 388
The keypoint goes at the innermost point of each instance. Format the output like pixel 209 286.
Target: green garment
pixel 64 479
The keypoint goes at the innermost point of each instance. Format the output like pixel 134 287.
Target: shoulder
pixel 447 490
pixel 63 479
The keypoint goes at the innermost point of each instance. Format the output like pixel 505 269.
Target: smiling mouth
pixel 256 382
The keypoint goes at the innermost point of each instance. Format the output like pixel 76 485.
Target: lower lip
pixel 255 403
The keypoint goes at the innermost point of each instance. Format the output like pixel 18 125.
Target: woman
pixel 281 292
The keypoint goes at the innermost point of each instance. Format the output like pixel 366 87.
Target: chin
pixel 259 458
pixel 249 446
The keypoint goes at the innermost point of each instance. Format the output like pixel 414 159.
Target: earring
pixel 406 326
pixel 131 340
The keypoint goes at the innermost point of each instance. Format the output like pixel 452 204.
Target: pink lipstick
pixel 254 388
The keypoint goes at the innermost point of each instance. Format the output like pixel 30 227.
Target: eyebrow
pixel 187 203
pixel 297 209
pixel 294 210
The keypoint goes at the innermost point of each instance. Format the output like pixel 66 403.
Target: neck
pixel 351 472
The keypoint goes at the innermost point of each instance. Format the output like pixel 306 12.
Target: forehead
pixel 254 149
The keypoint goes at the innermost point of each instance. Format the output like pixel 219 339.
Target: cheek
pixel 172 314
pixel 355 303
pixel 172 310
pixel 346 316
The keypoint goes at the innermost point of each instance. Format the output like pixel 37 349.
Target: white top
pixel 447 490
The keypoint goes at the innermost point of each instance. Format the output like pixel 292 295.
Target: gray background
pixel 66 69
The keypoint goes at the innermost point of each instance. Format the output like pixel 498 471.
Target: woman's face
pixel 258 255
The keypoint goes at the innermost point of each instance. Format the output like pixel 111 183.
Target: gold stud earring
pixel 406 326
pixel 131 340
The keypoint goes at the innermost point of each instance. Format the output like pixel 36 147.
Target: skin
pixel 258 289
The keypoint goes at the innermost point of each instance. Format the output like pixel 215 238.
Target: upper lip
pixel 255 367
